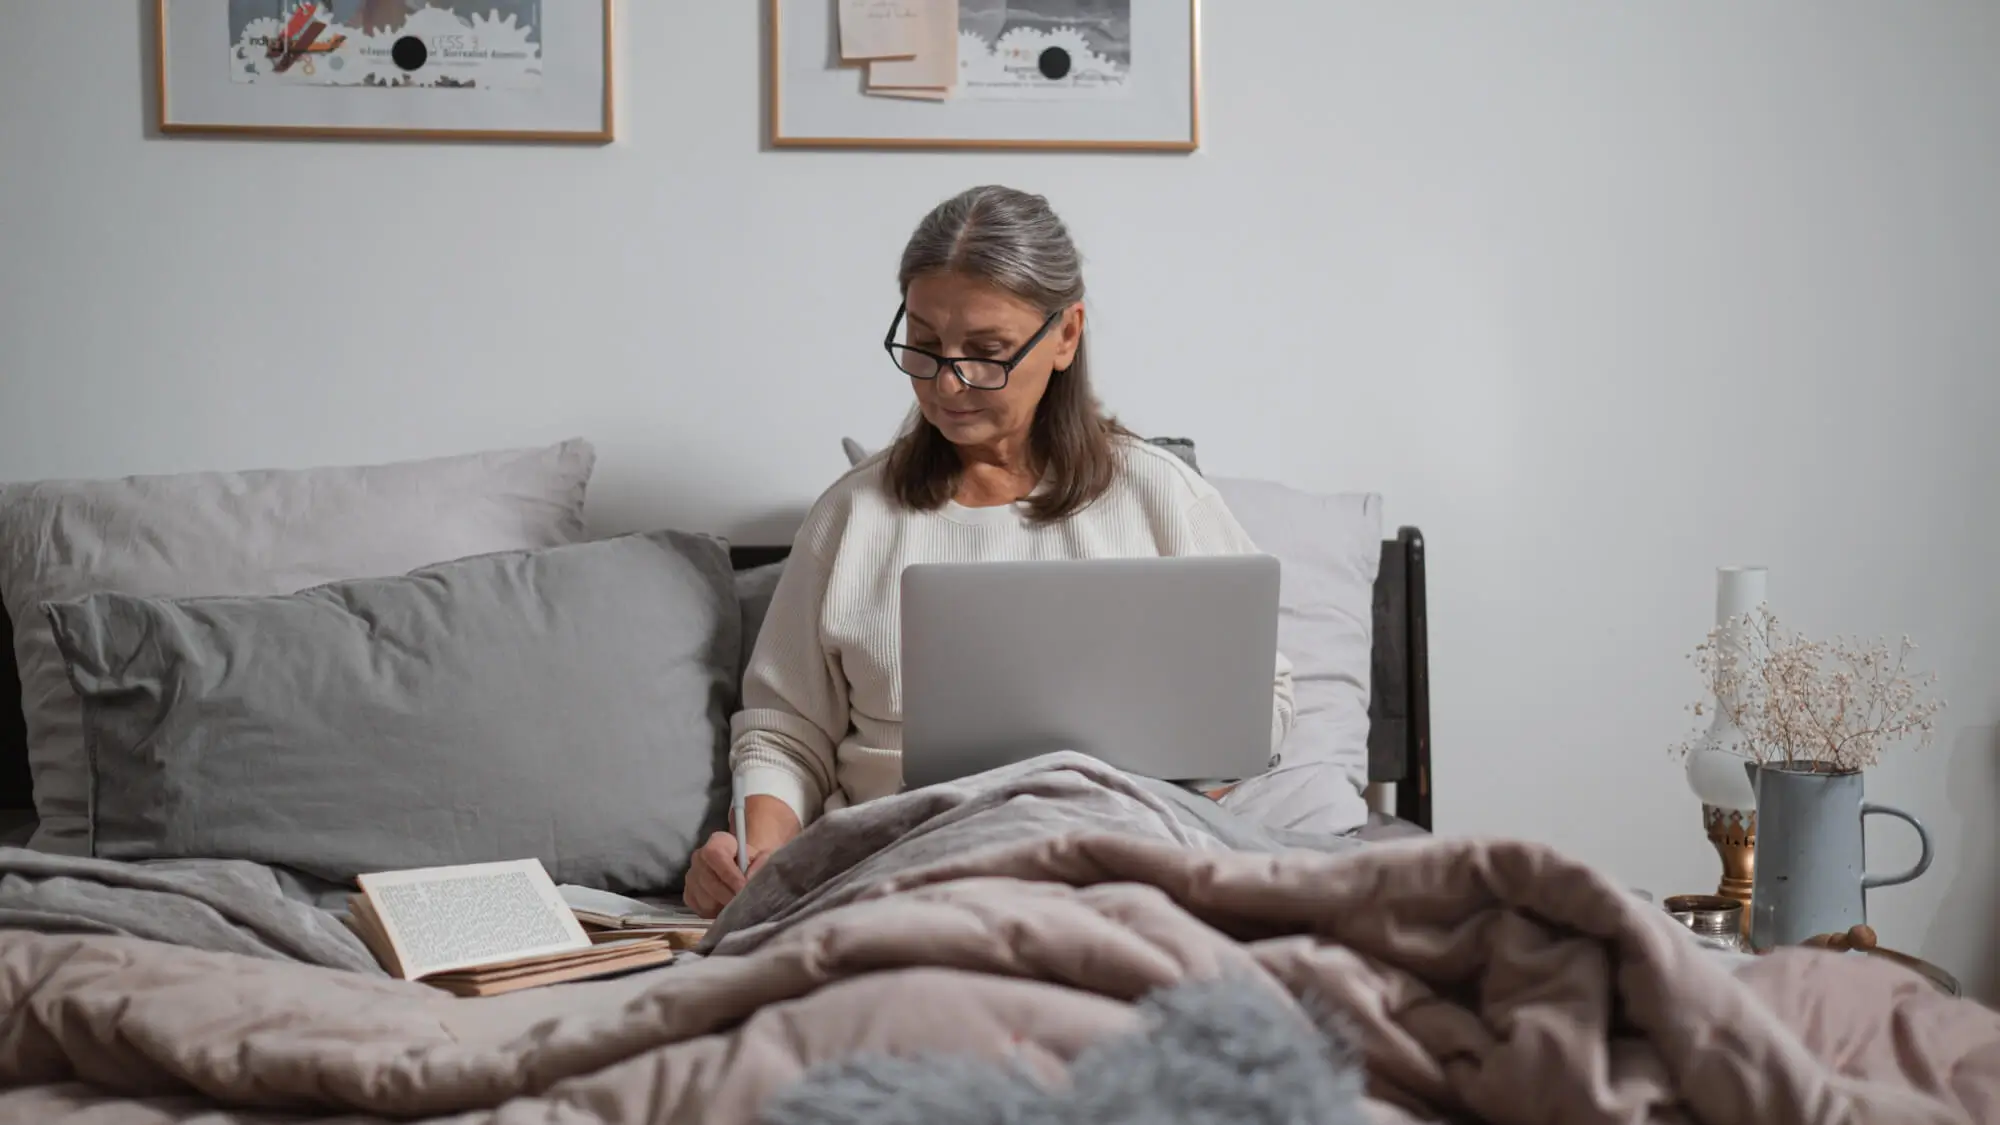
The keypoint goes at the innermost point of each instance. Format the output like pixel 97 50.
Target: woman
pixel 1008 456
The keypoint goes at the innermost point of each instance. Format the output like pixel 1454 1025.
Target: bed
pixel 1054 937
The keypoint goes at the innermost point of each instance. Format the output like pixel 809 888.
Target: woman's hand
pixel 713 879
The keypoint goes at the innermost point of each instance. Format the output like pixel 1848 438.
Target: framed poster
pixel 529 70
pixel 997 74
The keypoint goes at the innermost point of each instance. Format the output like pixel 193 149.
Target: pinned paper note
pixel 935 64
pixel 883 29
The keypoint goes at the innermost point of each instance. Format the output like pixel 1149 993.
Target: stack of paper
pixel 626 917
pixel 910 47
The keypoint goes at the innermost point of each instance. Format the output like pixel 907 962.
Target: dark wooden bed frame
pixel 1399 710
pixel 1399 704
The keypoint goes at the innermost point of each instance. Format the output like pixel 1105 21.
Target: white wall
pixel 1599 295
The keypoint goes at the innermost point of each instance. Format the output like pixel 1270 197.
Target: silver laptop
pixel 1161 667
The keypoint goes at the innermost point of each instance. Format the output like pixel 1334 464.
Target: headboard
pixel 1399 697
pixel 1399 711
pixel 1399 703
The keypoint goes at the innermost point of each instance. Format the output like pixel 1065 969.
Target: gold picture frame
pixel 602 103
pixel 778 30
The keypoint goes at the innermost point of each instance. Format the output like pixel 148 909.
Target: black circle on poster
pixel 1054 63
pixel 410 53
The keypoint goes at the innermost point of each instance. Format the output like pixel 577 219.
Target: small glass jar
pixel 1716 922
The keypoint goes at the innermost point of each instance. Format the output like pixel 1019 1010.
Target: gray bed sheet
pixel 240 907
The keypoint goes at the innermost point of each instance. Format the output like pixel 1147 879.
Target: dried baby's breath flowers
pixel 1793 700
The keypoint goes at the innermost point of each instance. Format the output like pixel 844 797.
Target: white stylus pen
pixel 742 830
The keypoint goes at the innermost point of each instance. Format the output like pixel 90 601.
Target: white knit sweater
pixel 821 726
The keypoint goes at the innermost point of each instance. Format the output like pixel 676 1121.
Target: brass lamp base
pixel 1734 834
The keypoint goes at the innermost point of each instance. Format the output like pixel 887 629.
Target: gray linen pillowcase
pixel 260 532
pixel 570 703
pixel 754 589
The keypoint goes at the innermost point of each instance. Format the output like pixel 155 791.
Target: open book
pixel 609 911
pixel 480 929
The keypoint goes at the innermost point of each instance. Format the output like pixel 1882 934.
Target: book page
pixel 606 908
pixel 882 29
pixel 593 901
pixel 599 953
pixel 444 918
pixel 640 955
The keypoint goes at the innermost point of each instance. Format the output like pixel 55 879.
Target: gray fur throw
pixel 1217 1052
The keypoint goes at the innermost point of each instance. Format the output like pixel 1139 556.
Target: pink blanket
pixel 1489 981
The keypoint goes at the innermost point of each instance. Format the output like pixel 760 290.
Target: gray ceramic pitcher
pixel 1812 874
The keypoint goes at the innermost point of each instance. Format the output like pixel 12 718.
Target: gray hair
pixel 1007 238
pixel 1013 241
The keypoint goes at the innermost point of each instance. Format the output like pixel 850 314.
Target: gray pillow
pixel 1180 447
pixel 262 532
pixel 1330 547
pixel 754 588
pixel 570 704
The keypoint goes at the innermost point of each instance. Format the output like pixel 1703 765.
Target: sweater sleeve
pixel 784 741
pixel 1212 530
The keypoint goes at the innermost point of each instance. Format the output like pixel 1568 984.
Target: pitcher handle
pixel 1924 838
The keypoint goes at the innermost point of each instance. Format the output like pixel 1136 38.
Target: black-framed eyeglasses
pixel 976 374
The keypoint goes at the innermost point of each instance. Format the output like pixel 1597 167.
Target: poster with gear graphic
pixel 410 44
pixel 1044 50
